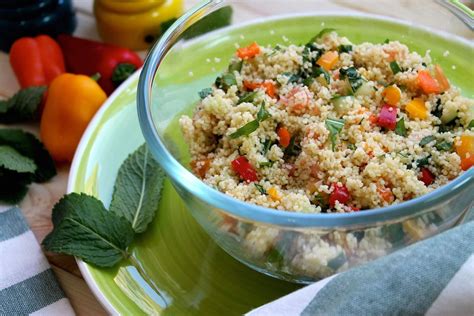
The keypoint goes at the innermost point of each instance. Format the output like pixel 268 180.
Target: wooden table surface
pixel 38 203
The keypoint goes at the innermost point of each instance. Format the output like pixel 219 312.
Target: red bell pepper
pixel 339 193
pixel 113 63
pixel 244 169
pixel 387 117
pixel 426 176
pixel 36 61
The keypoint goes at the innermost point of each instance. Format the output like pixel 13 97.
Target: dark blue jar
pixel 20 18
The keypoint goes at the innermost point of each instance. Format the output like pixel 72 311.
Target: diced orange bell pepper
pixel 465 150
pixel 416 109
pixel 273 193
pixel 441 78
pixel 426 83
pixel 200 167
pixel 284 136
pixel 385 194
pixel 328 60
pixel 248 52
pixel 392 95
pixel 269 87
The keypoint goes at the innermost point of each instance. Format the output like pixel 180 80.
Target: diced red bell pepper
pixel 244 169
pixel 427 177
pixel 387 117
pixel 339 193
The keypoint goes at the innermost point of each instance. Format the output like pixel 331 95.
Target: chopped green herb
pixel 294 78
pixel 426 140
pixel 266 164
pixel 354 78
pixel 235 66
pixel 205 92
pixel 260 188
pixel 308 81
pixel 444 146
pixel 471 124
pixel 423 161
pixel 351 146
pixel 437 109
pixel 395 68
pixel 386 41
pixel 293 149
pixel 266 146
pixel 245 130
pixel 248 97
pixel 317 71
pixel 400 128
pixel 344 48
pixel 334 127
pixel 321 34
pixel 251 126
pixel 225 81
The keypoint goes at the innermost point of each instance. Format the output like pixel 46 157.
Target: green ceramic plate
pixel 194 275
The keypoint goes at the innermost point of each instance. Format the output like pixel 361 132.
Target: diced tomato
pixel 244 169
pixel 339 193
pixel 284 136
pixel 427 177
pixel 426 83
pixel 248 52
pixel 386 194
pixel 355 208
pixel 387 117
pixel 268 86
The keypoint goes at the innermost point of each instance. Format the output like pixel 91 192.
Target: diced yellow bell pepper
pixel 273 193
pixel 392 95
pixel 416 109
pixel 328 60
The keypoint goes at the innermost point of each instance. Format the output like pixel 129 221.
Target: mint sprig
pixel 84 228
pixel 23 106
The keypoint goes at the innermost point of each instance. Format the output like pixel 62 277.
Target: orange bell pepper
pixel 269 87
pixel 441 78
pixel 71 103
pixel 392 95
pixel 328 60
pixel 465 150
pixel 248 52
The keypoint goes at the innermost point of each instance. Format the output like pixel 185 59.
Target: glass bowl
pixel 298 247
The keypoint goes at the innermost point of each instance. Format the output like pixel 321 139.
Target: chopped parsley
pixel 205 92
pixel 251 126
pixel 344 48
pixel 260 188
pixel 400 128
pixel 395 68
pixel 334 127
pixel 426 140
pixel 354 78
pixel 423 161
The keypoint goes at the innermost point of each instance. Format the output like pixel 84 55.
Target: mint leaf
pixel 23 106
pixel 334 127
pixel 400 128
pixel 205 92
pixel 29 146
pixel 85 229
pixel 426 140
pixel 395 68
pixel 137 189
pixel 13 185
pixel 12 160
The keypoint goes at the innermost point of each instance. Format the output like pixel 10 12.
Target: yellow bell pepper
pixel 416 109
pixel 273 193
pixel 134 24
pixel 328 60
pixel 71 103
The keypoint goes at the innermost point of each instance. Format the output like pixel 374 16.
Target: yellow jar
pixel 134 23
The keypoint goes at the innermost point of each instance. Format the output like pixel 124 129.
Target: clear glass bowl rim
pixel 251 212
